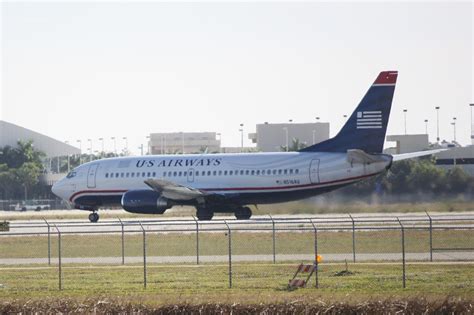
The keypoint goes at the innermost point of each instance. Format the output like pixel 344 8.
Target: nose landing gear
pixel 94 217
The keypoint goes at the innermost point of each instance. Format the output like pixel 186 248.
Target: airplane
pixel 229 183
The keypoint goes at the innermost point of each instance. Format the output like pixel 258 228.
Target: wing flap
pixel 173 191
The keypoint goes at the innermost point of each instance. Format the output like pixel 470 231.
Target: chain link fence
pixel 260 253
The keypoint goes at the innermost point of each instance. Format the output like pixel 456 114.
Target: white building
pixel 184 142
pixel 272 137
pixel 10 134
pixel 409 143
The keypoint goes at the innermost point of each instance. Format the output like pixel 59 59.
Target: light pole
pixel 472 132
pixel 454 128
pixel 220 141
pixel 90 149
pixel 148 141
pixel 80 151
pixel 286 137
pixel 115 145
pixel 405 114
pixel 126 143
pixel 241 137
pixel 437 123
pixel 426 126
pixel 102 140
pixel 68 164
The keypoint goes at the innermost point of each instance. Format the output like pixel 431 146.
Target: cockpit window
pixel 71 174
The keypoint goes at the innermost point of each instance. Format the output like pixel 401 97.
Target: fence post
pixel 144 254
pixel 353 239
pixel 230 253
pixel 316 274
pixel 403 252
pixel 49 242
pixel 431 235
pixel 123 242
pixel 59 260
pixel 274 239
pixel 197 240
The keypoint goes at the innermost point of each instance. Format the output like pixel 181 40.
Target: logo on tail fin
pixel 369 119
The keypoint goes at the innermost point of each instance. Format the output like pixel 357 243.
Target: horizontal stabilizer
pixel 359 156
pixel 404 156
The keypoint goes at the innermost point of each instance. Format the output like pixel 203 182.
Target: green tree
pixel 295 145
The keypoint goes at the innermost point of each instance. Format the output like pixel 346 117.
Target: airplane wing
pixel 174 191
pixel 404 156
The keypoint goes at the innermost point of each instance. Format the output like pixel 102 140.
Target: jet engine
pixel 144 201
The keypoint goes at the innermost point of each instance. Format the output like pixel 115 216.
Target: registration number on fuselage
pixel 288 182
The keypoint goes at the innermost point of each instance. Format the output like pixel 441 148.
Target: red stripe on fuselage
pixel 305 186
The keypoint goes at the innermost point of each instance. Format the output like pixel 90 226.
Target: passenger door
pixel 314 171
pixel 91 175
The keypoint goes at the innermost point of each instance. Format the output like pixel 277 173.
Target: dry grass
pixel 121 306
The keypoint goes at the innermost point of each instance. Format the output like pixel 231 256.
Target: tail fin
pixel 365 130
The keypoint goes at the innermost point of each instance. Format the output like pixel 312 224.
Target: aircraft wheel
pixel 94 217
pixel 204 214
pixel 243 213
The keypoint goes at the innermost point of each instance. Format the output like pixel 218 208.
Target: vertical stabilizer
pixel 365 130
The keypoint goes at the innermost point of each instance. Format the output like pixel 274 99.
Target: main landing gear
pixel 94 217
pixel 206 214
pixel 243 213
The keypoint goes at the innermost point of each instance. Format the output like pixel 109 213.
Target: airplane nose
pixel 58 189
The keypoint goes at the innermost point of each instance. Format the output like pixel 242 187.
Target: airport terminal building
pixel 272 137
pixel 10 134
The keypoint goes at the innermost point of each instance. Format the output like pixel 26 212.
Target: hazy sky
pixel 78 70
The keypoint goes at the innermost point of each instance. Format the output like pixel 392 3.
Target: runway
pixel 382 257
pixel 160 223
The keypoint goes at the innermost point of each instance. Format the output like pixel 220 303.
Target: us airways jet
pixel 230 182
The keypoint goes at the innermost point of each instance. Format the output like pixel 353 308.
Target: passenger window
pixel 258 172
pixel 279 172
pixel 286 172
pixel 133 174
pixel 164 174
pixel 253 172
pixel 186 173
pixel 274 172
pixel 214 173
pixel 225 173
pixel 241 172
pixel 127 175
pixel 148 174
pixel 106 175
pixel 196 173
pixel 174 174
pixel 143 174
pixel 297 171
pixel 269 172
pixel 208 173
pixel 231 172
pixel 220 173
pixel 154 174
pixel 180 173
pixel 291 171
pixel 116 175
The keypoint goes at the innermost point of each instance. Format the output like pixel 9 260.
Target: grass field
pixel 252 283
pixel 243 243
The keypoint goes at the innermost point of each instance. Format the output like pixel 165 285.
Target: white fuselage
pixel 254 175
